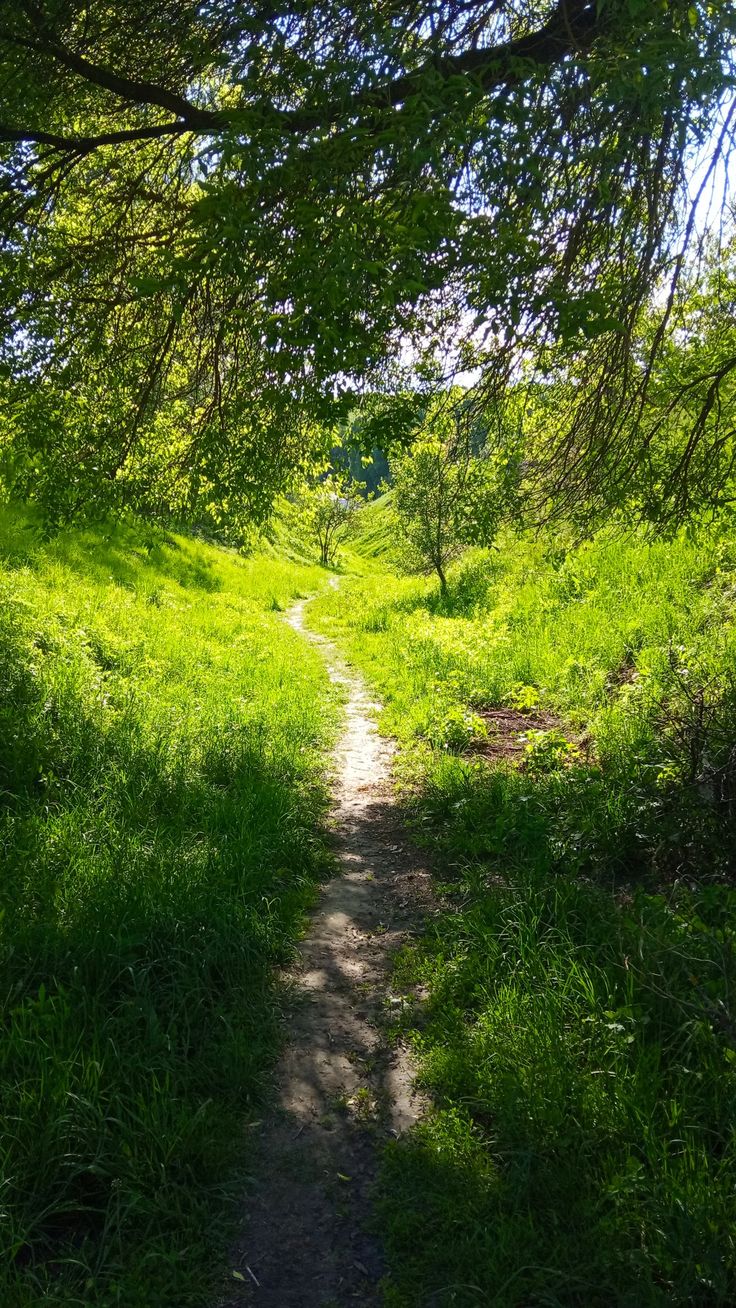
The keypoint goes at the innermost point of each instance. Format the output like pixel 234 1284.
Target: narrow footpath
pixel 341 1089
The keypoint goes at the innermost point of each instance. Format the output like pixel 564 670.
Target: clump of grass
pixel 579 1038
pixel 161 738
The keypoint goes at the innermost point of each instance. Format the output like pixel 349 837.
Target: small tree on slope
pixel 447 493
pixel 326 510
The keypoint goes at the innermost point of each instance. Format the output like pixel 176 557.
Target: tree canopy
pixel 219 217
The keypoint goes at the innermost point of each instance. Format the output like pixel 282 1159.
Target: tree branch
pixel 81 145
pixel 132 90
pixel 571 27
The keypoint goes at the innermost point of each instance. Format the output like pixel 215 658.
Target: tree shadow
pixel 574 999
pixel 145 902
pixel 125 553
pixel 342 1090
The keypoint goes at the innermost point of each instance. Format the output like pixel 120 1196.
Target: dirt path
pixel 341 1090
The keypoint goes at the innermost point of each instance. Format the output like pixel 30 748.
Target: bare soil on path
pixel 342 1088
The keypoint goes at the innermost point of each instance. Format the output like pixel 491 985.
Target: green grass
pixel 161 741
pixel 372 537
pixel 579 1038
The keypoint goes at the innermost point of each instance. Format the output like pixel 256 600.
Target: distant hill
pixel 373 535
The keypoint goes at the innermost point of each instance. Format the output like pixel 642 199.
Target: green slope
pixel 579 1034
pixel 372 538
pixel 161 736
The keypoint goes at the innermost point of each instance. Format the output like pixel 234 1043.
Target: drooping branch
pixel 571 28
pixel 508 171
pixel 83 145
pixel 131 90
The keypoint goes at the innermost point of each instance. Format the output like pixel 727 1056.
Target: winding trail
pixel 342 1088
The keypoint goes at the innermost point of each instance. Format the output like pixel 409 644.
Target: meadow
pixel 162 736
pixel 566 717
pixel 568 760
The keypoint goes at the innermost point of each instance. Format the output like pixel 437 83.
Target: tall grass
pixel 161 735
pixel 579 1035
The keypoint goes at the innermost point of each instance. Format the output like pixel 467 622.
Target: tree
pixel 448 492
pixel 219 216
pixel 325 509
pixel 669 451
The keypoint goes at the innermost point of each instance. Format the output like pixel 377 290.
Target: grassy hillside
pixel 371 540
pixel 569 730
pixel 161 733
pixel 365 541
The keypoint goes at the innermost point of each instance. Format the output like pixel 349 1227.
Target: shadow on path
pixel 341 1090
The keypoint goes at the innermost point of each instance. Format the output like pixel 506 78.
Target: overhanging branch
pixel 81 145
pixel 570 29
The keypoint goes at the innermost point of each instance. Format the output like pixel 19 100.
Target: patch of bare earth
pixel 509 732
pixel 341 1087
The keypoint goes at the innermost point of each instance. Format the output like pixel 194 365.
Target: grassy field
pixel 568 728
pixel 161 742
pixel 579 1035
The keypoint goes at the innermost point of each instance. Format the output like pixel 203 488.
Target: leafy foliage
pixel 668 451
pixel 448 492
pixel 325 510
pixel 217 217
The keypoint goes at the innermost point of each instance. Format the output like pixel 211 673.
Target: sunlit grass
pixel 579 1037
pixel 161 747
